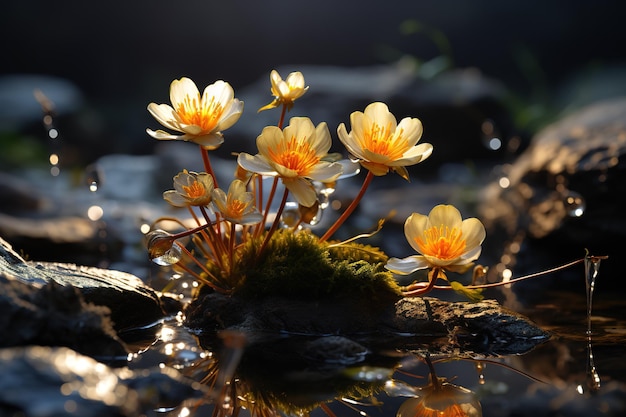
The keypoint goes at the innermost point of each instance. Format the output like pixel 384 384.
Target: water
pixel 559 377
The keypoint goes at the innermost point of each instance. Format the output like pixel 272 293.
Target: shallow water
pixel 571 374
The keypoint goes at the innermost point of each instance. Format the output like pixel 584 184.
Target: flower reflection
pixel 442 399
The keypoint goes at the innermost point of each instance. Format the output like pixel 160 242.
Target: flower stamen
pixel 194 112
pixel 441 242
pixel 195 190
pixel 295 154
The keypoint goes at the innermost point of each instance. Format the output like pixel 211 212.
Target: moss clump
pixel 298 265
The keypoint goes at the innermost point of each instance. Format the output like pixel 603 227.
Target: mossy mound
pixel 298 265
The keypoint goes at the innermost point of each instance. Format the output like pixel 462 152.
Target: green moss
pixel 298 265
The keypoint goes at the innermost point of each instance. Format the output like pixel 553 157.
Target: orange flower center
pixel 442 242
pixel 296 155
pixel 195 190
pixel 453 410
pixel 380 140
pixel 193 111
pixel 236 208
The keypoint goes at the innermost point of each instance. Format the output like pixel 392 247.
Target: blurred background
pixel 103 62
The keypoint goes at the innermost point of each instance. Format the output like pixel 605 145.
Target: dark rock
pixel 411 323
pixel 566 192
pixel 55 315
pixel 131 302
pixel 41 381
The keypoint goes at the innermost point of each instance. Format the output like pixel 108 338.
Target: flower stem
pixel 206 271
pixel 267 207
pixel 207 164
pixel 275 223
pixel 281 121
pixel 350 209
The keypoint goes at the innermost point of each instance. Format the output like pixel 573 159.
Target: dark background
pixel 121 55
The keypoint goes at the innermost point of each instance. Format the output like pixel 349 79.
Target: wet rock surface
pixel 131 303
pixel 566 192
pixel 412 323
pixel 42 381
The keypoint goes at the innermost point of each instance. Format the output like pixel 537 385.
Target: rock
pixel 54 315
pixel 131 302
pixel 566 192
pixel 442 327
pixel 41 381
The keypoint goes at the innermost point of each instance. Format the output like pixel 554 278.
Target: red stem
pixel 350 208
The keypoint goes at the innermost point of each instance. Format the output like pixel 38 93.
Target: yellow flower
pixel 442 239
pixel 190 189
pixel 238 205
pixel 380 144
pixel 200 119
pixel 442 399
pixel 294 154
pixel 285 92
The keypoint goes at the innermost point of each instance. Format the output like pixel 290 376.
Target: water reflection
pixel 271 374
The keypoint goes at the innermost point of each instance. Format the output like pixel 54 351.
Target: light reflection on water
pixel 555 372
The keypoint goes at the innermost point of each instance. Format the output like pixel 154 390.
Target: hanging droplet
pixel 290 215
pixel 170 257
pixel 93 177
pixel 592 269
pixel 162 248
pixel 574 204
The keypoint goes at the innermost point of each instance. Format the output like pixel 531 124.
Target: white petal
pixel 325 171
pixel 256 164
pixel 162 135
pixel 414 227
pixel 445 214
pixel 470 256
pixel 322 139
pixel 349 142
pixel 210 141
pixel 411 129
pixel 165 115
pixel 302 190
pixel 407 265
pixel 174 198
pixel 233 115
pixel 181 89
pixel 473 232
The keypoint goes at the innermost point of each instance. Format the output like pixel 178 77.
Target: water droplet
pixel 93 177
pixel 574 204
pixel 290 215
pixel 170 257
pixel 592 269
pixel 162 249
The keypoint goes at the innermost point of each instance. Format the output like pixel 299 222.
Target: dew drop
pixel 592 269
pixel 574 204
pixel 93 177
pixel 162 249
pixel 290 215
pixel 170 257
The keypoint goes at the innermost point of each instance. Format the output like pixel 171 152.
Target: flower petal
pixel 181 89
pixel 445 214
pixel 257 164
pixel 406 265
pixel 162 135
pixel 302 190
